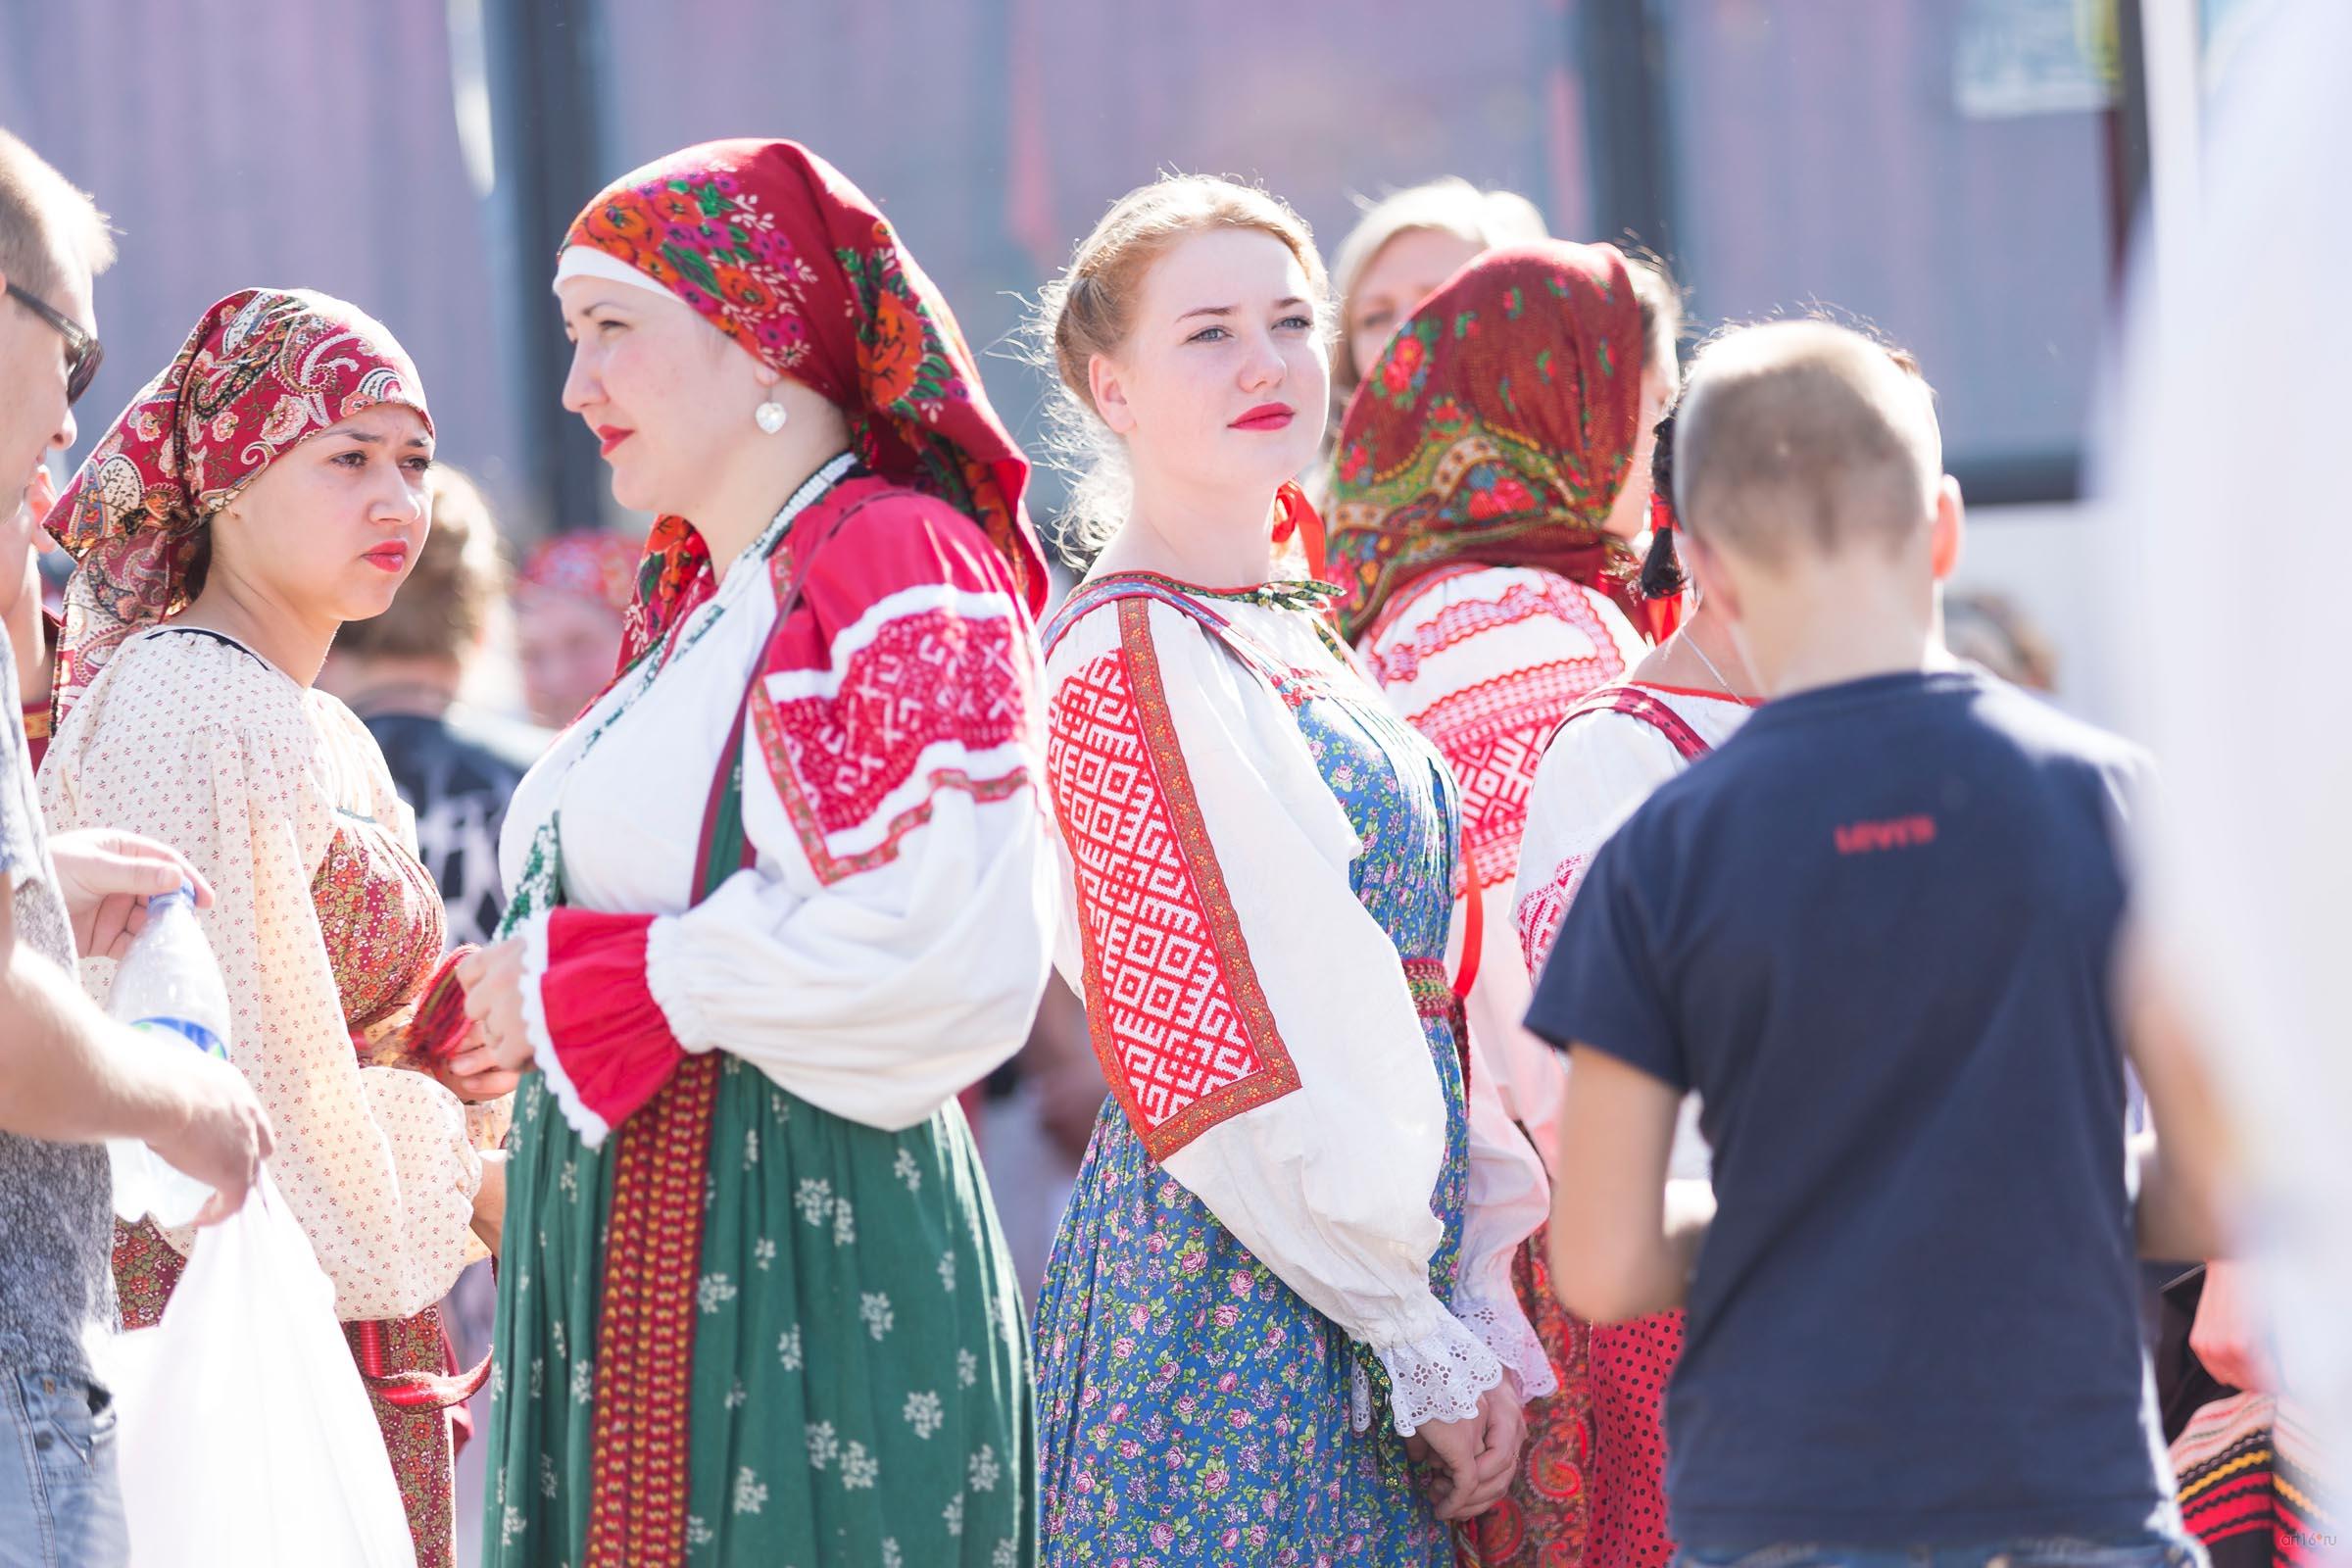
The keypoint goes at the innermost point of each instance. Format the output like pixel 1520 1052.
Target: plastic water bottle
pixel 169 989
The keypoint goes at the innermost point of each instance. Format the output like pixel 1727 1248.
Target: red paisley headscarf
pixel 265 370
pixel 1496 428
pixel 783 253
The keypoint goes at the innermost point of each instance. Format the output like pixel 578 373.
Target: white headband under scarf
pixel 586 261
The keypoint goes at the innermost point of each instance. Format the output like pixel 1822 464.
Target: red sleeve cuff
pixel 612 1042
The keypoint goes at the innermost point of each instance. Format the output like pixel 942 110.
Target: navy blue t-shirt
pixel 1875 931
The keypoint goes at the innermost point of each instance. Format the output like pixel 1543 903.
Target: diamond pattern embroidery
pixel 1182 1029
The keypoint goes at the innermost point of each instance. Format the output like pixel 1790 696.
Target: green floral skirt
pixel 858 1388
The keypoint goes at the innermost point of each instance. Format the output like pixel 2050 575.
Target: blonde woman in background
pixel 1407 244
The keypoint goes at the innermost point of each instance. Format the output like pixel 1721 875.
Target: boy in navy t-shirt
pixel 1875 932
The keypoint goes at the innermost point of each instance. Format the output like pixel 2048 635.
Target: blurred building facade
pixel 1958 172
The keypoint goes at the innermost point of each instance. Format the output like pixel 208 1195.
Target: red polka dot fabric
pixel 1592 1486
pixel 1630 1363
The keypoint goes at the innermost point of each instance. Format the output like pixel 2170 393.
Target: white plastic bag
pixel 245 1435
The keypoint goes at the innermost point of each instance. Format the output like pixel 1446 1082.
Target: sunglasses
pixel 83 352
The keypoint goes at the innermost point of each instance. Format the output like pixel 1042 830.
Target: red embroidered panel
pixel 1492 735
pixel 1182 1028
pixel 382 919
pixel 935 678
pixel 1540 912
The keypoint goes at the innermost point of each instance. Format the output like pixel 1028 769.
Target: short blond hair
pixel 44 216
pixel 1089 310
pixel 1449 205
pixel 1804 433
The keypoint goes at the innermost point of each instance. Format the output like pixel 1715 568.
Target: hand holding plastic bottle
pixel 223 1139
pixel 169 991
pixel 106 879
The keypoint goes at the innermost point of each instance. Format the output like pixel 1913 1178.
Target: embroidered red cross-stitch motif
pixel 1179 1022
pixel 936 678
pixel 1492 735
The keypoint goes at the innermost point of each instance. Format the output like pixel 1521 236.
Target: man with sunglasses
pixel 69 1077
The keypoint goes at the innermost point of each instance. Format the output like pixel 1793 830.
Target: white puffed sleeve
pixel 1597 772
pixel 887 946
pixel 1250 1015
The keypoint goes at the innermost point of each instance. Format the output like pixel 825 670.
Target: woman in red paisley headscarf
pixel 1493 480
pixel 266 488
pixel 778 894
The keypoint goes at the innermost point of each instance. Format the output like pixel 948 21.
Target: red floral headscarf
pixel 599 568
pixel 1496 428
pixel 265 370
pixel 783 253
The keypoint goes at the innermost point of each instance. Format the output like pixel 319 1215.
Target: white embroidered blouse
pixel 1275 1061
pixel 887 946
pixel 1600 770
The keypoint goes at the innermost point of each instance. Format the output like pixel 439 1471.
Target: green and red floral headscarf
pixel 265 370
pixel 1496 428
pixel 783 253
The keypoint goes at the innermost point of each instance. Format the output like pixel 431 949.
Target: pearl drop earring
pixel 769 415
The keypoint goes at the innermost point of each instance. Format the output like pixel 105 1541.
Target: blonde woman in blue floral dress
pixel 1257 1341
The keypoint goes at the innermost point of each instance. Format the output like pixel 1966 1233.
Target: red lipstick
pixel 389 557
pixel 1266 416
pixel 610 436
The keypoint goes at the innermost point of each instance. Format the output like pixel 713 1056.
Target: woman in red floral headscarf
pixel 1492 480
pixel 780 893
pixel 262 490
pixel 570 599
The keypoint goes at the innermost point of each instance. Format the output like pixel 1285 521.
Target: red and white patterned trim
pixel 1178 1017
pixel 1494 735
pixel 926 692
pixel 1524 598
pixel 1540 914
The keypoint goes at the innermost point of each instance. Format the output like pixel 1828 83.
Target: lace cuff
pixel 1438 1376
pixel 1502 1326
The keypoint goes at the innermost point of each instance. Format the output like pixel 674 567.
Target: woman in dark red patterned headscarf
pixel 1492 482
pixel 779 894
pixel 266 487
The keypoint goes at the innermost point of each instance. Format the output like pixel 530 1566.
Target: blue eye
pixel 1202 336
pixel 1297 322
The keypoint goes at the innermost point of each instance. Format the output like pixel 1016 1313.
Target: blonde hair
pixel 1805 432
pixel 1089 310
pixel 41 211
pixel 1452 205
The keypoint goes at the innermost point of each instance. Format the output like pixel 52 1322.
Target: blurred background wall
pixel 1959 172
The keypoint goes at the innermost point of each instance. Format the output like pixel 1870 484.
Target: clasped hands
pixel 1467 1465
